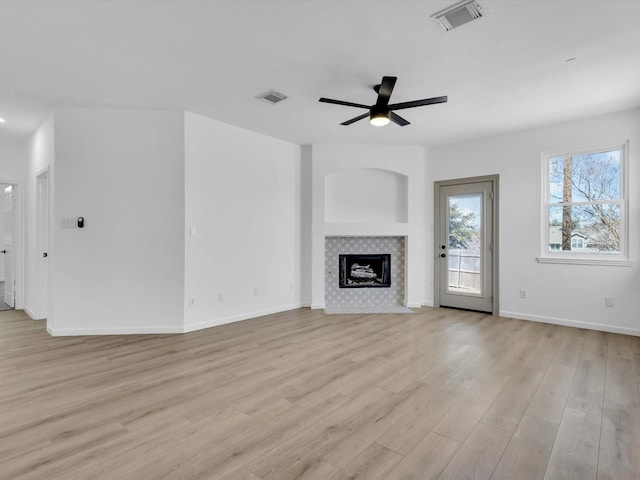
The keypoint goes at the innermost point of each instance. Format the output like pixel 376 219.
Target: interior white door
pixel 465 246
pixel 9 296
pixel 43 243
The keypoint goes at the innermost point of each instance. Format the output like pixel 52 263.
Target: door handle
pixel 443 255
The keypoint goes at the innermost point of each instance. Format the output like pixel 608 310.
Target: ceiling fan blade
pixel 340 102
pixel 398 120
pixel 384 92
pixel 417 103
pixel 353 120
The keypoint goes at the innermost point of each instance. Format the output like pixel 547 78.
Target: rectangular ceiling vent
pixel 272 97
pixel 458 14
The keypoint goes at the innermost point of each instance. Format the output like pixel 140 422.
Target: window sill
pixel 586 261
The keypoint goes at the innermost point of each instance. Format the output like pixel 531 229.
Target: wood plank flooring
pixel 440 394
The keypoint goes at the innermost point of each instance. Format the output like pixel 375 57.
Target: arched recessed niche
pixel 366 195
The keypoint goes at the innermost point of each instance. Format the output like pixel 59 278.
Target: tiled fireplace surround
pixel 364 297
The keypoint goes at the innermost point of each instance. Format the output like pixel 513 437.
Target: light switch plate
pixel 69 222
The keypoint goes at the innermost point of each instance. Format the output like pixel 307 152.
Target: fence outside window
pixel 464 270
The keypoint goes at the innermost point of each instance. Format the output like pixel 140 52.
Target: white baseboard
pixel 572 323
pixel 214 322
pixel 29 312
pixel 147 330
pixel 422 303
pixel 141 330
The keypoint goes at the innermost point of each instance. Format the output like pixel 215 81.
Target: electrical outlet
pixel 523 293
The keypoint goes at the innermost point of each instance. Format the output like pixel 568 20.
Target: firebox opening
pixel 365 271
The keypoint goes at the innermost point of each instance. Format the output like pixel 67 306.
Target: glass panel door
pixel 464 249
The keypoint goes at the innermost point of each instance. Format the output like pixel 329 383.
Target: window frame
pixel 583 258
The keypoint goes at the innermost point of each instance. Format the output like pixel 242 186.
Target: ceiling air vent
pixel 458 14
pixel 272 96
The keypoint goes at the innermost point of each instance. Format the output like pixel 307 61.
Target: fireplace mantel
pixel 366 229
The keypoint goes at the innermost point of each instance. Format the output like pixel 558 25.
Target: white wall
pixel 407 161
pixel 365 195
pixel 13 161
pixel 564 294
pixel 123 171
pixel 243 199
pixel 306 202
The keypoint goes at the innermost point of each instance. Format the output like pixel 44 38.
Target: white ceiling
pixel 505 71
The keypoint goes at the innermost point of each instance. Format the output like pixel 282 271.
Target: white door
pixel 465 245
pixel 43 243
pixel 9 297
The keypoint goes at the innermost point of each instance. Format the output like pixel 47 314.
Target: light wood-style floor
pixel 441 394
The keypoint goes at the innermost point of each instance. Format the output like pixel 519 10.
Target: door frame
pixel 43 239
pixel 495 181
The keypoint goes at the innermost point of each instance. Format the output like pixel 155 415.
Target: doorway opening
pixel 466 244
pixel 7 244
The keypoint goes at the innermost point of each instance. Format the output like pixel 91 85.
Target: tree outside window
pixel 585 202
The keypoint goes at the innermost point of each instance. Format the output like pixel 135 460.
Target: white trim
pixel 572 323
pixel 142 330
pixel 29 312
pixel 147 330
pixel 586 261
pixel 214 322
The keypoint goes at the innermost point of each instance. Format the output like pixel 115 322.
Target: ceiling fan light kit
pixel 381 113
pixel 379 117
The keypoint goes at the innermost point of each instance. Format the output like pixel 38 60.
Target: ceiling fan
pixel 381 113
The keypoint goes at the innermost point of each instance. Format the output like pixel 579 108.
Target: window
pixel 585 206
